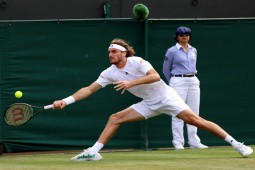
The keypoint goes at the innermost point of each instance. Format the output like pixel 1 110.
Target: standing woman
pixel 180 71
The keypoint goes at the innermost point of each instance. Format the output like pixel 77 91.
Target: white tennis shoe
pixel 245 151
pixel 198 146
pixel 178 147
pixel 87 155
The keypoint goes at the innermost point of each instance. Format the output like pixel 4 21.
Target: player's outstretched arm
pixel 86 91
pixel 77 96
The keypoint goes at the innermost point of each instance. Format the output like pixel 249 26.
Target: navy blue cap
pixel 183 30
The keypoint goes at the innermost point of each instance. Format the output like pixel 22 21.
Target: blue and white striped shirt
pixel 177 61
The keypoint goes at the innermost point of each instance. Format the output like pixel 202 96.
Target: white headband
pixel 117 46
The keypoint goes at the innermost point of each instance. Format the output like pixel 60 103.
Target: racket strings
pixel 18 114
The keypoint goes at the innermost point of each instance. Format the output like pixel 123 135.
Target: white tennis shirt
pixel 135 68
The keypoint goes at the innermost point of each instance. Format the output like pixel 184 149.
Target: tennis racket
pixel 19 113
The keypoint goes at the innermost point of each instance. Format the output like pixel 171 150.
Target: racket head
pixel 18 113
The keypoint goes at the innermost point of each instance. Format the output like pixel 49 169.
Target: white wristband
pixel 69 100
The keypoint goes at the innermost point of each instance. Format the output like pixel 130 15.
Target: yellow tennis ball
pixel 18 94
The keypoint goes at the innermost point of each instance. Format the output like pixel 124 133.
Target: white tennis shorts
pixel 172 105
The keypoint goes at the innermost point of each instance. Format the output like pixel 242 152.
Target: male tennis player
pixel 136 75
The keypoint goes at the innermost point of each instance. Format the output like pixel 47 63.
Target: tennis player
pixel 137 76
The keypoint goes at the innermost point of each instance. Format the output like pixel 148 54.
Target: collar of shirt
pixel 179 46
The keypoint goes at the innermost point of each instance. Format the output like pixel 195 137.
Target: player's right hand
pixel 59 104
pixel 124 85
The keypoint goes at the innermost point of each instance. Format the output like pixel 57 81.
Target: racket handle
pixel 48 107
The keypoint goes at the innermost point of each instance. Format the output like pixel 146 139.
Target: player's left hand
pixel 122 85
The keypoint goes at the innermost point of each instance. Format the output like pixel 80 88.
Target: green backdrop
pixel 50 60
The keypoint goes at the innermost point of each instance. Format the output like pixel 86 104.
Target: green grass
pixel 218 158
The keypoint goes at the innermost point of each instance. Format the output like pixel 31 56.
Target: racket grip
pixel 48 107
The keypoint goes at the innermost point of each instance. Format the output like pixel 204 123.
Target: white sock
pixel 97 147
pixel 231 141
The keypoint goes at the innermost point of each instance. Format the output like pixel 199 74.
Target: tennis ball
pixel 18 94
pixel 140 11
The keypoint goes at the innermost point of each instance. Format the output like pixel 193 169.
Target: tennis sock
pixel 231 141
pixel 97 147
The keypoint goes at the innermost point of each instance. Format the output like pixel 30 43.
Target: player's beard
pixel 116 62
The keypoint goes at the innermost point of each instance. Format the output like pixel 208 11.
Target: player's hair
pixel 123 43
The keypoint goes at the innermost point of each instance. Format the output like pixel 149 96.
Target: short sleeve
pixel 104 79
pixel 145 66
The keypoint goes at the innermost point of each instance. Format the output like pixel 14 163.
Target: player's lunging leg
pixel 113 124
pixel 191 118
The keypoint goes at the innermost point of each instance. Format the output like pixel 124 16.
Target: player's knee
pixel 114 119
pixel 200 123
pixel 191 118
